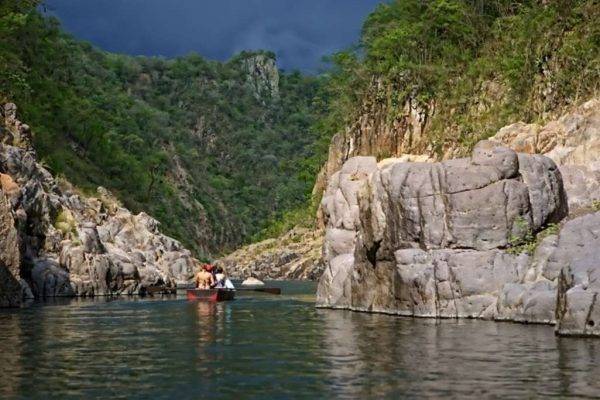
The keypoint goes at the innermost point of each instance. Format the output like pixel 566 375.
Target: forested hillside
pixel 224 153
pixel 432 78
pixel 437 76
pixel 213 150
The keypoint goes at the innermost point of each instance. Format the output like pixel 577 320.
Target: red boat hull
pixel 211 294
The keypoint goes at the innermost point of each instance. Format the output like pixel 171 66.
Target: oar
pixel 270 290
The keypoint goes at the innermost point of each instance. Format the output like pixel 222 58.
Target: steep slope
pixel 198 144
pixel 430 79
pixel 436 77
pixel 57 242
pixel 293 255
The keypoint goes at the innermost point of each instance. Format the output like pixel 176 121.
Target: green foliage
pixel 479 64
pixel 527 241
pixel 66 224
pixel 303 216
pixel 596 205
pixel 186 140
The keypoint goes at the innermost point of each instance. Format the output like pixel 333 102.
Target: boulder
pixel 252 282
pixel 572 142
pixel 429 239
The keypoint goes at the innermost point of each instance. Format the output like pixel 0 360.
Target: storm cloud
pixel 300 32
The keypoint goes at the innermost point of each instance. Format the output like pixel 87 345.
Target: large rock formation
pixel 572 142
pixel 295 255
pixel 262 76
pixel 430 239
pixel 71 245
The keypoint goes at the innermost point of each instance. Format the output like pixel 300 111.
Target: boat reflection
pixel 210 325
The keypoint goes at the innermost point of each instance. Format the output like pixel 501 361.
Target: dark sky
pixel 300 32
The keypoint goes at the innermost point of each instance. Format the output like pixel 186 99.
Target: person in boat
pixel 204 278
pixel 222 282
pixel 219 278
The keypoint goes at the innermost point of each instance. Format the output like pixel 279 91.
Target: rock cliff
pixel 431 240
pixel 262 76
pixel 295 255
pixel 374 133
pixel 572 141
pixel 10 288
pixel 57 242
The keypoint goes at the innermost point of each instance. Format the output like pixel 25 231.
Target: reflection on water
pixel 266 346
pixel 376 355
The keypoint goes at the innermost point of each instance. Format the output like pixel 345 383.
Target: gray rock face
pixel 294 255
pixel 572 142
pixel 10 288
pixel 582 185
pixel 578 250
pixel 263 76
pixel 429 240
pixel 77 246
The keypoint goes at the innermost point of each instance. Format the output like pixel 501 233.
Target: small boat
pixel 211 294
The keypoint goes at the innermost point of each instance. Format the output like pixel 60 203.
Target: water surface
pixel 263 346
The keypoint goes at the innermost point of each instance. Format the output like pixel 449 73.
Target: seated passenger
pixel 219 278
pixel 204 278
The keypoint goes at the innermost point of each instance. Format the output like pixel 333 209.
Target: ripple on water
pixel 266 346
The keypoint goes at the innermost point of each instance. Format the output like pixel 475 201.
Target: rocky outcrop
pixel 10 287
pixel 263 75
pixel 375 133
pixel 72 245
pixel 572 141
pixel 577 257
pixel 431 240
pixel 295 255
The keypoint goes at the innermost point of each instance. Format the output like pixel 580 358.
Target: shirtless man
pixel 204 279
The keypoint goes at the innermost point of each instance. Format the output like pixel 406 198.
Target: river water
pixel 263 346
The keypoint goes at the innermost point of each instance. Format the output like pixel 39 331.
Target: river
pixel 264 346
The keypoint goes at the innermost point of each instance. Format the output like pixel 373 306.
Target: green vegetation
pixel 66 223
pixel 219 158
pixel 200 145
pixel 596 205
pixel 475 65
pixel 527 241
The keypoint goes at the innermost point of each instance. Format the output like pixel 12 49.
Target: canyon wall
pixel 434 240
pixel 58 242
